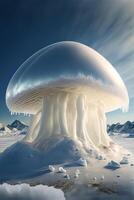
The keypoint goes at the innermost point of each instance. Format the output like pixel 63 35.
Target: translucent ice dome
pixel 68 87
pixel 67 66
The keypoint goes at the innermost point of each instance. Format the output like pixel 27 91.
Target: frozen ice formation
pixel 62 170
pixel 99 157
pixel 82 162
pixel 67 176
pixel 67 87
pixel 77 173
pixel 51 168
pixel 124 160
pixel 113 165
pixel 25 191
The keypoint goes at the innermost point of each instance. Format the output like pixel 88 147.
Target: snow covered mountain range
pixel 127 127
pixel 17 124
pixel 21 128
pixel 15 127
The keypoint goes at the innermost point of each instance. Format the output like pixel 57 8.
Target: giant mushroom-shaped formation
pixel 67 87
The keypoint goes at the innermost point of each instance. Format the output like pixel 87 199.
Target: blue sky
pixel 105 25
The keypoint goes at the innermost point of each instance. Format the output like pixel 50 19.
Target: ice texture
pixel 124 160
pixel 67 66
pixel 68 87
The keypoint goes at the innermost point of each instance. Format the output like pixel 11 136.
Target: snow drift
pixel 26 192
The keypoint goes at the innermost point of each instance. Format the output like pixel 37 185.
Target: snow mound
pixel 26 192
pixel 124 160
pixel 51 168
pixel 23 160
pixel 82 162
pixel 62 170
pixel 113 165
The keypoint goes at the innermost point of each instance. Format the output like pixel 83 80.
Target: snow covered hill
pixel 23 160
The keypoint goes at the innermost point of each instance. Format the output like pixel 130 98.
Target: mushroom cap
pixel 65 67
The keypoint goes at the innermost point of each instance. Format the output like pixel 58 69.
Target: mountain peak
pixel 127 127
pixel 17 124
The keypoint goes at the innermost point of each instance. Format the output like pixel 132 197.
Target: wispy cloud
pixel 108 26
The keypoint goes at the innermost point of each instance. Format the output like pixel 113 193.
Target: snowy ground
pixel 8 140
pixel 117 184
pixel 127 142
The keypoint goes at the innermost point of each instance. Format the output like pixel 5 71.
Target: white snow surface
pixel 122 186
pixel 62 170
pixel 8 140
pixel 51 168
pixel 26 192
pixel 82 162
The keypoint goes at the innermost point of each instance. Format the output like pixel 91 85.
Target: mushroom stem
pixel 71 115
pixel 103 127
pixel 34 128
pixel 63 98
